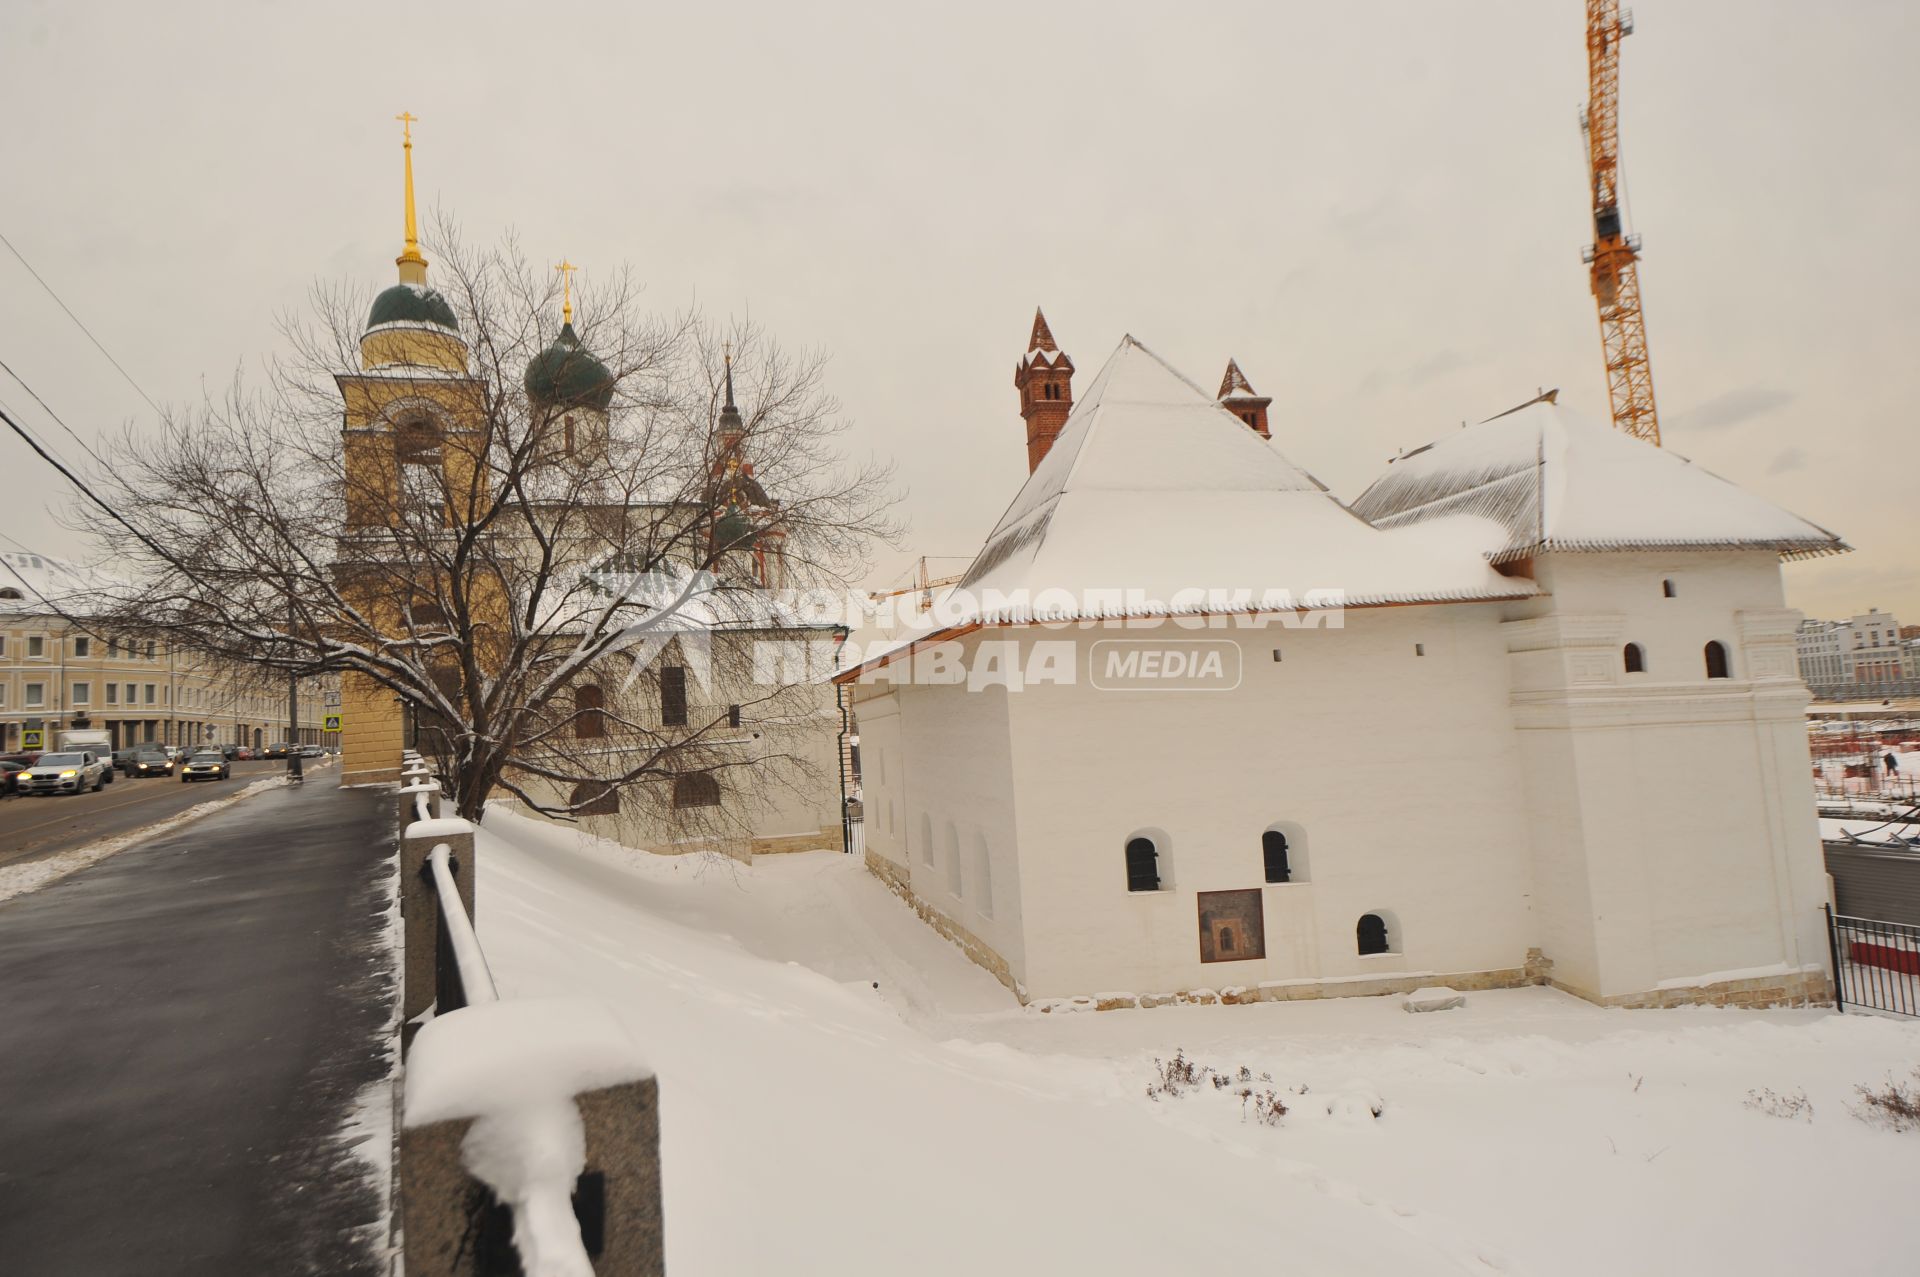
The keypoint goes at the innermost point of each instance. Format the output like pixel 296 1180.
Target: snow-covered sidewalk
pixel 814 1122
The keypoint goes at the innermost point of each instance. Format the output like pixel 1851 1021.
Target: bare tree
pixel 512 553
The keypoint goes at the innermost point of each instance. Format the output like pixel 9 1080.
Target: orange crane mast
pixel 1614 254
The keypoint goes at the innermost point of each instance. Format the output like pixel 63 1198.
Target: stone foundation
pixel 976 949
pixel 1801 989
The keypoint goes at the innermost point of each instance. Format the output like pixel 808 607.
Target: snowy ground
pixel 815 1124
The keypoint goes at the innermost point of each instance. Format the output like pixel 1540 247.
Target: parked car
pixel 9 772
pixel 312 751
pixel 122 761
pixel 278 749
pixel 207 765
pixel 151 760
pixel 64 773
pixel 241 754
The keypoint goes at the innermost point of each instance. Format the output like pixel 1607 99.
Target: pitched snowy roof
pixel 1557 482
pixel 49 586
pixel 1154 490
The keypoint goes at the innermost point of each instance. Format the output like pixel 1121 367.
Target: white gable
pixel 1153 488
pixel 1557 482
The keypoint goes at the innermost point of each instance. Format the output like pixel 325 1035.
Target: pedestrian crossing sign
pixel 32 738
pixel 332 722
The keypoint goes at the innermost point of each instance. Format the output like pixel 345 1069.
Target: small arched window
pixel 8 592
pixel 1370 935
pixel 1143 865
pixel 595 798
pixel 1716 660
pixel 1634 659
pixel 1273 850
pixel 696 789
pixel 1667 590
pixel 588 703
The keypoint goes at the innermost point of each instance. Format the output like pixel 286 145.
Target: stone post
pixel 548 1050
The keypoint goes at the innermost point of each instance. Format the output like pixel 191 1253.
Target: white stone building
pixel 1555 734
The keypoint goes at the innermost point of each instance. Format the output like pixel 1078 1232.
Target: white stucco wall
pixel 1672 814
pixel 938 780
pixel 1398 768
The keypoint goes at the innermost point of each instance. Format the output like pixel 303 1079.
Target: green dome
pixel 412 304
pixel 567 375
pixel 733 530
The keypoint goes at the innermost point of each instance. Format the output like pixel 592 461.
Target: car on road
pixel 122 761
pixel 9 772
pixel 150 760
pixel 312 751
pixel 209 764
pixel 64 773
pixel 278 749
pixel 241 754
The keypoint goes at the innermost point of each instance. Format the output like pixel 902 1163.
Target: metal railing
pixel 1876 965
pixel 461 976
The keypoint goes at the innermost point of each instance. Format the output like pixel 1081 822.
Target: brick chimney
pixel 1237 397
pixel 1044 378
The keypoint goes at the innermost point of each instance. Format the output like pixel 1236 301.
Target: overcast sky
pixel 1377 207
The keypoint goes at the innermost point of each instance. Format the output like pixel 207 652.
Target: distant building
pixel 59 674
pixel 1818 645
pixel 1868 653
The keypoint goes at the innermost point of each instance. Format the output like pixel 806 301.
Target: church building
pixel 1524 712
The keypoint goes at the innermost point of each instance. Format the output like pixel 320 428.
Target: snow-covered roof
pixel 1557 482
pixel 1154 491
pixel 49 586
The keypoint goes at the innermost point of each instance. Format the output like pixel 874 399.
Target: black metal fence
pixel 1876 965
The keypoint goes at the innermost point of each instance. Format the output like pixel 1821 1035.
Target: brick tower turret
pixel 1237 397
pixel 1044 378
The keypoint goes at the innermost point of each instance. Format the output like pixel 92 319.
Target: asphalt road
pixel 184 1030
pixel 31 828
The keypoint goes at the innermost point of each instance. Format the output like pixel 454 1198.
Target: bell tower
pixel 1044 378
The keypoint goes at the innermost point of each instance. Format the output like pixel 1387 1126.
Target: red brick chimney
pixel 1237 397
pixel 1044 378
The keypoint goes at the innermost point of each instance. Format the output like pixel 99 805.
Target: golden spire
pixel 566 269
pixel 413 267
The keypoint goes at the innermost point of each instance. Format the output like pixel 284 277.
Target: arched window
pixel 956 878
pixel 595 798
pixel 588 703
pixel 1716 660
pixel 696 789
pixel 982 876
pixel 1143 864
pixel 1370 934
pixel 8 592
pixel 1667 590
pixel 1634 659
pixel 1273 849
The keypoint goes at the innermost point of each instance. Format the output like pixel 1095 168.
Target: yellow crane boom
pixel 1614 254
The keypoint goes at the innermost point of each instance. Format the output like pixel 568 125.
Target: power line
pixel 84 445
pixel 76 319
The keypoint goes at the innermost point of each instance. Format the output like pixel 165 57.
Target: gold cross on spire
pixel 566 269
pixel 413 267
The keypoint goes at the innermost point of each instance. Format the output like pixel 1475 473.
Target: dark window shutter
pixel 673 696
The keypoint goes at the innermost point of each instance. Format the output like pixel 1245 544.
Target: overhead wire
pixel 77 322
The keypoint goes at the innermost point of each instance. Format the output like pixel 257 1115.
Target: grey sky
pixel 1377 207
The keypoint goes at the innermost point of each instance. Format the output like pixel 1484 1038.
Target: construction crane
pixel 923 585
pixel 1614 253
